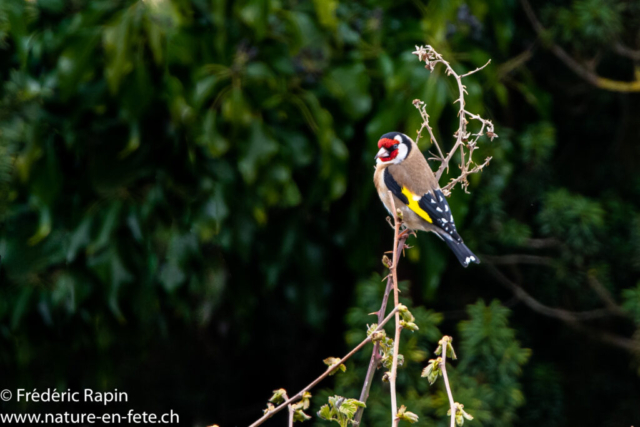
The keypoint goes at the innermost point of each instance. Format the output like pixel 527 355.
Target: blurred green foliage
pixel 485 378
pixel 186 202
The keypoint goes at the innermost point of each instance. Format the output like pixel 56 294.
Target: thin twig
pixel 582 71
pixel 623 50
pixel 605 296
pixel 443 368
pixel 422 108
pixel 537 306
pixel 518 259
pixel 463 138
pixel 396 341
pixel 571 318
pixel 547 242
pixel 325 374
pixel 375 355
pixel 291 411
pixel 476 70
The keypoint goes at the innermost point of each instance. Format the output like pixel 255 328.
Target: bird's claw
pixel 390 221
pixel 407 232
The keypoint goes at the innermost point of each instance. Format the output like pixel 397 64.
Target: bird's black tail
pixel 462 252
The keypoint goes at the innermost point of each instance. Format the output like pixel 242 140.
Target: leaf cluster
pixel 340 410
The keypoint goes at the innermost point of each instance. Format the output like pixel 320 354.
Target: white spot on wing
pixel 466 261
pixel 439 210
pixel 416 198
pixel 446 208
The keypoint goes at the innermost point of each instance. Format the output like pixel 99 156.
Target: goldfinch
pixel 402 170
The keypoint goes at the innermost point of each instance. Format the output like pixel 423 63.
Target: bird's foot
pixel 406 233
pixel 390 221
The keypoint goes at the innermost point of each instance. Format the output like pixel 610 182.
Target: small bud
pixel 385 377
pixel 409 325
pixel 378 336
pixel 399 214
pixel 492 135
pixel 406 315
pixel 332 362
pixel 445 343
pixel 432 371
pixel 386 261
pixel 300 416
pixel 278 396
pixel 405 415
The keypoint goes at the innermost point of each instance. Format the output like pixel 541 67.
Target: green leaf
pixel 432 371
pixel 270 408
pixel 326 11
pixel 278 396
pixel 300 416
pixel 325 412
pixel 331 362
pixel 348 408
pixel 405 415
pixel 409 325
pixel 406 314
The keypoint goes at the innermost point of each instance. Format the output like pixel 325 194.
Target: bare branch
pixel 464 139
pixel 396 343
pixel 518 259
pixel 571 318
pixel 422 107
pixel 443 368
pixel 548 242
pixel 623 50
pixel 476 70
pixel 329 370
pixel 605 296
pixel 581 70
pixel 375 355
pixel 534 304
pixel 514 63
pixel 291 411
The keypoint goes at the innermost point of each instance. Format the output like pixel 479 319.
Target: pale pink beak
pixel 382 153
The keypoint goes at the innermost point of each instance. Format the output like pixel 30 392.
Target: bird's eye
pixel 394 147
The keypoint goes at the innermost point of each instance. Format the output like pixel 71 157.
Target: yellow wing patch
pixel 414 206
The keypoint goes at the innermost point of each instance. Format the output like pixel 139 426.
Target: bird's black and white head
pixel 394 148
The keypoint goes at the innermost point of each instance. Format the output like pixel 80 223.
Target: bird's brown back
pixel 414 173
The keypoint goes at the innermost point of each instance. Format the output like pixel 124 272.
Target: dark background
pixel 188 215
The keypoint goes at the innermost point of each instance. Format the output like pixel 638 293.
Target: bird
pixel 402 170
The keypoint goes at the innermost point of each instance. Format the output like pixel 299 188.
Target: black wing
pixel 438 209
pixel 432 207
pixel 394 187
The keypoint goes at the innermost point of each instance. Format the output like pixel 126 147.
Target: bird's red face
pixel 388 150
